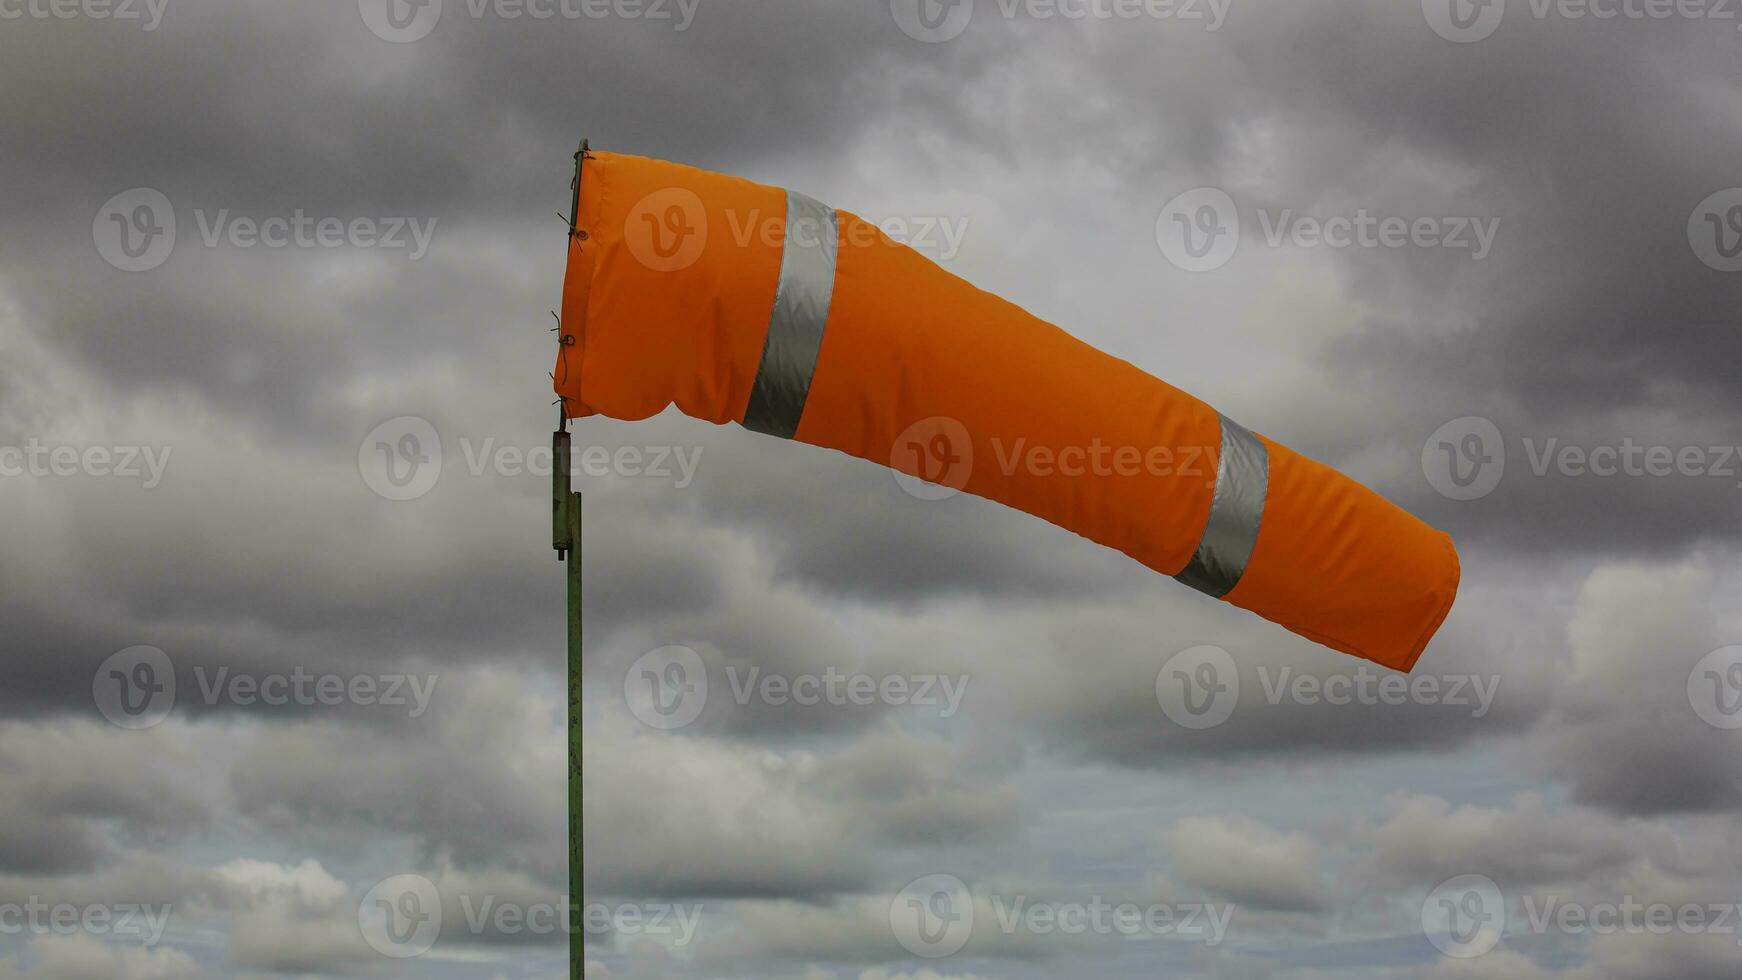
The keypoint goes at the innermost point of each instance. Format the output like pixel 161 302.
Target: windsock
pixel 739 302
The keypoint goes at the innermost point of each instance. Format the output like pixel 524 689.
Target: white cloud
pixel 1245 862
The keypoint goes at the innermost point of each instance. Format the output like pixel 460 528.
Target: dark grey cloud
pixel 81 796
pixel 1590 142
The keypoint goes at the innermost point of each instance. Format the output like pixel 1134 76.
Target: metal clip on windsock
pixel 815 326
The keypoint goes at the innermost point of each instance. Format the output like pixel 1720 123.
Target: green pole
pixel 566 538
pixel 577 886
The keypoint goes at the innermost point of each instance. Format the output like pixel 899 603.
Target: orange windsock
pixel 742 303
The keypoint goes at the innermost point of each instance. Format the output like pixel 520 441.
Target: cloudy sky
pixel 274 705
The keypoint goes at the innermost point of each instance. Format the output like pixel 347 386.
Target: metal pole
pixel 566 538
pixel 577 865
